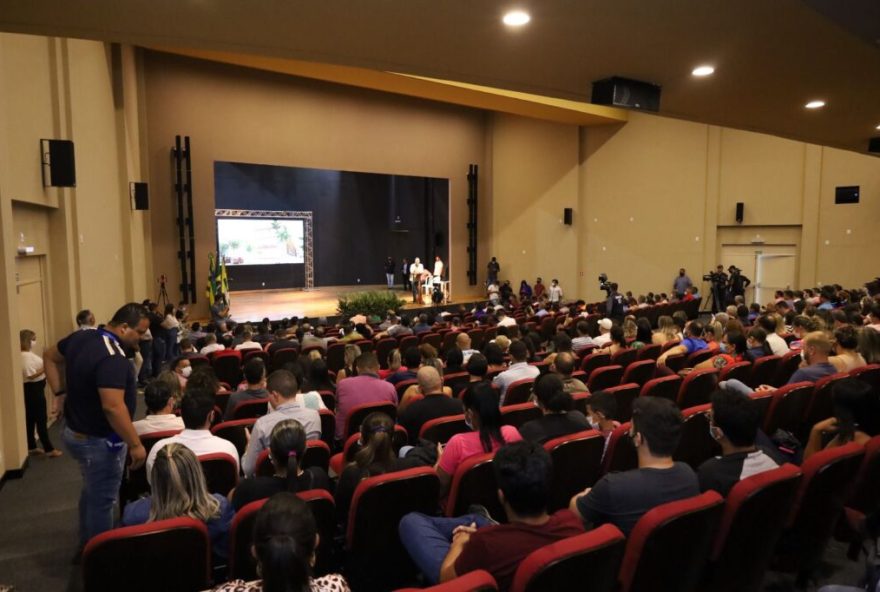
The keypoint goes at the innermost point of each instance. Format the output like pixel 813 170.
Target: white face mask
pixel 593 423
pixel 187 371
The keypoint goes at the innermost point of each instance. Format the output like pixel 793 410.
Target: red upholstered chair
pixel 738 370
pixel 820 406
pixel 408 341
pixel 227 366
pixel 474 581
pixel 620 454
pixel 456 381
pixel 696 445
pixel 788 407
pixel 668 548
pixel 234 431
pixel 432 339
pixel 264 464
pixel 625 357
pixel 365 344
pixel 441 429
pixel 754 516
pixel 580 401
pixel 359 413
pixel 787 366
pixel 384 347
pixel 669 345
pixel 328 426
pixel 255 353
pixel 474 483
pixel 371 540
pixel 335 356
pixel 591 559
pixel 665 386
pixel 696 388
pixel 865 496
pixel 114 560
pixel 323 508
pixel 401 387
pixel 448 341
pixel 329 399
pixel 650 352
pixel 222 400
pixel 595 360
pixel 764 371
pixel 283 356
pixel 221 472
pixel 605 378
pixel 639 372
pixel 577 464
pixel 624 395
pixel 476 336
pixel 869 374
pixel 764 400
pixel 676 362
pixel 199 361
pixel 698 357
pixel 517 415
pixel 317 455
pixel 828 475
pixel 253 408
pixel 519 391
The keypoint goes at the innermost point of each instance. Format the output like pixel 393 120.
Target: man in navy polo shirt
pixel 100 385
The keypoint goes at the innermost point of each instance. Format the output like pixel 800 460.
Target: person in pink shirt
pixel 364 388
pixel 483 415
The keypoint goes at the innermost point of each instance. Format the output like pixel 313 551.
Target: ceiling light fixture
pixel 701 71
pixel 516 18
pixel 815 105
pixel 878 127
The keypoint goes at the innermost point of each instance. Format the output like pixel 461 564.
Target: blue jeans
pixel 427 539
pixel 735 386
pixel 101 466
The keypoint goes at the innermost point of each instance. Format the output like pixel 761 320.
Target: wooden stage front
pixel 317 302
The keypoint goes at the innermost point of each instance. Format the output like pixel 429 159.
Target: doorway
pixel 32 310
pixel 769 268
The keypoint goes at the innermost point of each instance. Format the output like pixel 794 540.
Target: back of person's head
pixel 318 376
pixel 603 402
pixel 737 342
pixel 376 453
pixel 483 401
pixel 477 365
pixel 695 329
pixel 254 371
pixel 178 486
pixel 855 408
pixel 283 382
pixel 847 337
pixel 429 380
pixel 454 358
pixel 583 328
pixel 519 352
pixel 659 422
pixel 494 354
pixel 665 324
pixel 202 377
pixel 463 340
pixel 366 363
pixel 551 394
pixel 195 407
pixel 680 318
pixel 156 396
pixel 210 338
pixel 758 334
pixel 768 323
pixel 736 415
pixel 83 316
pixel 523 473
pixel 427 352
pixel 287 447
pixel 350 353
pixel 617 335
pixel 129 314
pixel 643 330
pixel 412 357
pixel 818 341
pixel 561 342
pixel 285 537
pixel 564 363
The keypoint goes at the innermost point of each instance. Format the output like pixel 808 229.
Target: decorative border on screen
pixel 306 217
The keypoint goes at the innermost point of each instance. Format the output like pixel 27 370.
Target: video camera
pixel 604 284
pixel 715 277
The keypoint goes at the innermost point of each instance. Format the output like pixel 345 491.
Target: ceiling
pixel 771 56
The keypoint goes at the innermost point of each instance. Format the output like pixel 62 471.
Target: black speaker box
pixel 141 193
pixel 740 211
pixel 623 92
pixel 874 145
pixel 567 214
pixel 59 159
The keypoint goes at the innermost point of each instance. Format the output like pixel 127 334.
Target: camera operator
pixel 718 281
pixel 737 284
pixel 615 306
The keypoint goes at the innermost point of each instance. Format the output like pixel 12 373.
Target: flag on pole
pixel 224 282
pixel 211 288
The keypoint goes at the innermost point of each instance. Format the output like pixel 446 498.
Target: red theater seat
pixel 475 581
pixel 474 483
pixel 665 386
pixel 577 464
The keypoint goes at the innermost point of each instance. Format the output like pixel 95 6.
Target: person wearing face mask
pixel 558 417
pixel 601 411
pixel 733 423
pixel 182 369
pixel 622 498
pixel 682 282
pixel 34 396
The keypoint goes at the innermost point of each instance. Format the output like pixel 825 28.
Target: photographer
pixel 718 281
pixel 737 284
pixel 615 306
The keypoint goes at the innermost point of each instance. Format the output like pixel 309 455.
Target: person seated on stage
pixel 557 407
pixel 160 403
pixel 247 342
pixel 422 325
pixel 211 345
pixel 435 401
pixel 255 379
pixel 364 388
pixel 282 341
pixel 219 310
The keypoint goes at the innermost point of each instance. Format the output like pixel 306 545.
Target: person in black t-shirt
pixel 255 375
pixel 287 449
pixel 556 405
pixel 282 341
pixel 623 498
pixel 434 404
pixel 91 368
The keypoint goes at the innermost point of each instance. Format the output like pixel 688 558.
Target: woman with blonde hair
pixel 179 490
pixel 630 328
pixel 666 331
pixel 350 354
pixel 34 396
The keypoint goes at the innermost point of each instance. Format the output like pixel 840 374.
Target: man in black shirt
pixel 282 341
pixel 255 374
pixel 435 404
pixel 90 367
pixel 623 498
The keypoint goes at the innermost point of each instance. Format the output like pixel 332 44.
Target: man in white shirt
pixel 160 410
pixel 604 337
pixel 415 274
pixel 583 339
pixel 438 269
pixel 211 345
pixel 463 342
pixel 197 411
pixel 492 290
pixel 776 343
pixel 504 320
pixel 519 369
pixel 247 342
pixel 555 292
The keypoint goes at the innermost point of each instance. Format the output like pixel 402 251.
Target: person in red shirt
pixel 445 548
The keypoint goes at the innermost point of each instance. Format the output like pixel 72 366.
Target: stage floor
pixel 317 302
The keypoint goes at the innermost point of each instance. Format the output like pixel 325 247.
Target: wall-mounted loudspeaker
pixel 623 92
pixel 567 214
pixel 740 211
pixel 59 166
pixel 874 145
pixel 140 195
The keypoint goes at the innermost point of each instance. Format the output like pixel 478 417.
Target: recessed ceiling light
pixel 703 71
pixel 878 127
pixel 815 105
pixel 516 18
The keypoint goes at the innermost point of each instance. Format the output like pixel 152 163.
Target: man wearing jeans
pixel 100 385
pixel 445 548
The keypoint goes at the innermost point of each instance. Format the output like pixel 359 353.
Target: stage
pixel 317 302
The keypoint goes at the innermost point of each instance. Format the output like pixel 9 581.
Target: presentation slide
pixel 260 241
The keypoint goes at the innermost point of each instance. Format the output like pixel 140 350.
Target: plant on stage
pixel 371 304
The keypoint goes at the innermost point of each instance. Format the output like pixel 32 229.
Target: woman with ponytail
pixel 285 539
pixel 287 448
pixel 559 419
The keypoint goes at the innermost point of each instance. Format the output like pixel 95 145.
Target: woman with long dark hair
pixel 558 417
pixel 757 344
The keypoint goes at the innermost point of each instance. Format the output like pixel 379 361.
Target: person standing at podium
pixel 415 274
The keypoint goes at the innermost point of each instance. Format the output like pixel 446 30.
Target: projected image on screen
pixel 260 241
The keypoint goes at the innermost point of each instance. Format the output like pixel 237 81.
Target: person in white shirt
pixel 438 269
pixel 415 275
pixel 492 290
pixel 197 411
pixel 776 343
pixel 583 339
pixel 555 292
pixel 211 345
pixel 34 378
pixel 247 343
pixel 463 342
pixel 504 320
pixel 604 337
pixel 519 369
pixel 160 410
pixel 85 320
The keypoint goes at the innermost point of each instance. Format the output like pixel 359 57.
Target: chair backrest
pixel 221 472
pixel 448 341
pixel 432 339
pixel 696 445
pixel 620 454
pixel 670 544
pixel 665 386
pixel 577 464
pixel 698 356
pixel 114 560
pixel 625 357
pixel 639 372
pixel 517 415
pixel 323 508
pixel 753 519
pixel 821 406
pixel 697 387
pixel 317 455
pixel 383 348
pixel 788 407
pixel 198 361
pixel 253 408
pixel 227 366
pixel 135 483
pixel 738 370
pixel 474 581
pixel 336 357
pixel 592 557
pixel 519 391
pixel 283 356
pixel 764 371
pixel 624 395
pixel 605 378
pixel 441 429
pixel 328 426
pixel 650 352
pixel 234 431
pixel 676 362
pixel 256 353
pixel 865 496
pixel 787 366
pixel 763 400
pixel 669 345
pixel 401 387
pixel 474 483
pixel 595 360
pixel 359 413
pixel 580 401
pixel 869 374
pixel 408 341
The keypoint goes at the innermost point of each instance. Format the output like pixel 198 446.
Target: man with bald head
pixel 463 342
pixel 563 365
pixel 434 404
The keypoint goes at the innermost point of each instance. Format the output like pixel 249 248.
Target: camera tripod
pixel 162 298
